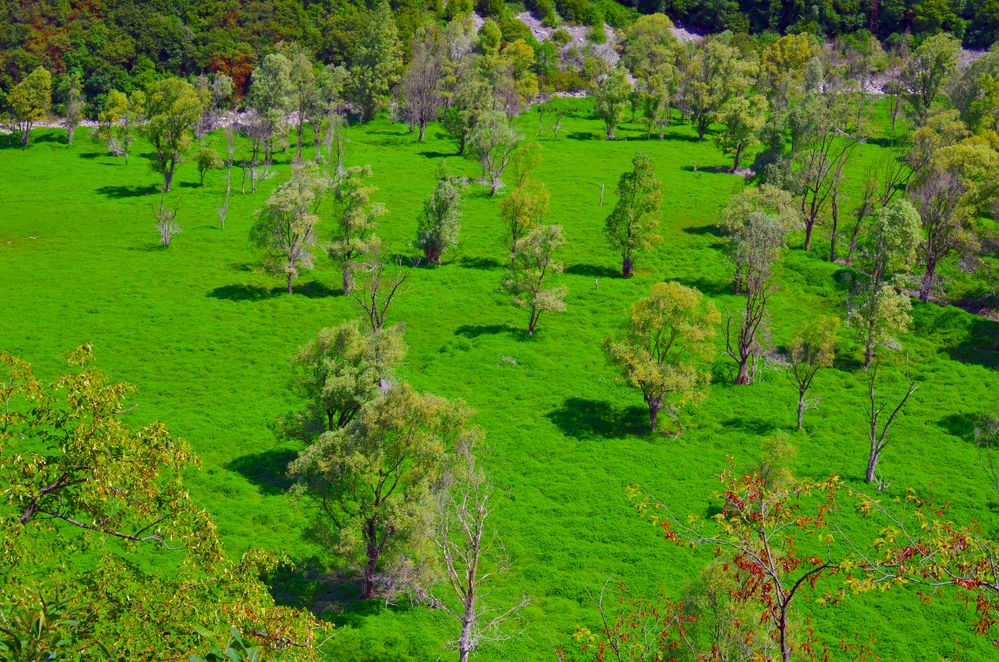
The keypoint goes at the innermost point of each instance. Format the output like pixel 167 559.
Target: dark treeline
pixel 125 44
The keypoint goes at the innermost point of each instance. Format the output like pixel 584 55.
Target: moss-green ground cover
pixel 206 335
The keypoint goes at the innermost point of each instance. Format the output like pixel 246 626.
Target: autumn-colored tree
pixel 812 349
pixel 372 479
pixel 286 225
pixel 339 372
pixel 528 280
pixel 631 227
pixel 665 347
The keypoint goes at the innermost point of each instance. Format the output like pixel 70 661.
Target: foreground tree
pixel 439 224
pixel 173 108
pixel 286 225
pixel 339 372
pixel 812 349
pixel 631 227
pixel 372 479
pixel 664 348
pixel 528 280
pixel 469 551
pixel 79 481
pixel 763 526
pixel 29 102
pixel 493 140
pixel 356 218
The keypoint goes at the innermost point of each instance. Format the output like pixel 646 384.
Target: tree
pixel 439 224
pixel 166 222
pixel 79 480
pixel 759 247
pixel 372 479
pixel 631 227
pixel 286 225
pixel 526 206
pixel 468 550
pixel 763 525
pixel 118 118
pixel 812 349
pixel 207 159
pixel 878 314
pixel 879 427
pixel 29 102
pixel 376 61
pixel 649 46
pixel 271 96
pixel 303 92
pixel 927 71
pixel 664 347
pixel 527 280
pixel 612 97
pixel 172 110
pixel 493 140
pixel 72 109
pixel 743 119
pixel 715 73
pixel 356 220
pixel 378 285
pixel 421 84
pixel 958 185
pixel 230 155
pixel 339 372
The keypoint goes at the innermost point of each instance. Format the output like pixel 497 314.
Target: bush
pixel 574 11
pixel 513 29
pixel 489 7
pixel 543 9
pixel 561 37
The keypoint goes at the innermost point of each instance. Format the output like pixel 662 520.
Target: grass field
pixel 206 335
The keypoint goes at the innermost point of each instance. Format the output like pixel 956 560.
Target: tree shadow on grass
pixel 711 170
pixel 484 263
pixel 756 426
pixel 711 287
pixel 90 156
pixel 311 290
pixel 127 191
pixel 586 419
pixel 981 346
pixel 593 271
pixel 431 154
pixel 267 470
pixel 584 135
pixel 959 425
pixel 474 331
pixel 712 230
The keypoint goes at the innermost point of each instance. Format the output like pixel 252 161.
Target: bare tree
pixel 879 426
pixel 821 165
pixel 470 552
pixel 938 196
pixel 882 182
pixel 377 286
pixel 254 128
pixel 421 84
pixel 166 222
pixel 230 154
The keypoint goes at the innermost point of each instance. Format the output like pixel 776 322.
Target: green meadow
pixel 206 334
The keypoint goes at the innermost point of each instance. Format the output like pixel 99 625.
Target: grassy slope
pixel 206 336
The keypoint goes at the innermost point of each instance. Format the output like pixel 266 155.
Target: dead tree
pixel 879 427
pixel 377 286
pixel 166 222
pixel 230 146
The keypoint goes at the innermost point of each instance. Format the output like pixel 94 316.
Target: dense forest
pixel 122 44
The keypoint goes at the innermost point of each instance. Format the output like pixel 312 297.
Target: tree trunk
pixel 346 277
pixel 738 156
pixel 785 645
pixel 872 464
pixel 433 255
pixel 610 132
pixel 467 631
pixel 423 130
pixel 926 286
pixel 809 226
pixel 368 591
pixel 301 128
pixel 290 277
pixel 701 126
pixel 743 377
pixel 834 214
pixel 801 408
pixel 167 179
pixel 534 320
pixel 627 266
pixel 654 407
